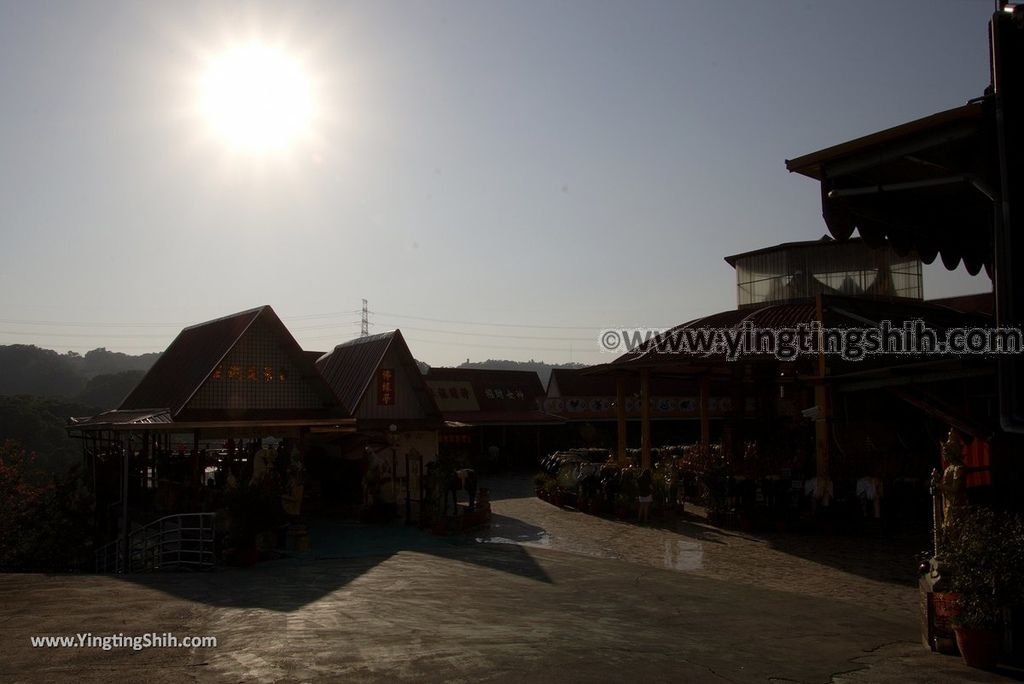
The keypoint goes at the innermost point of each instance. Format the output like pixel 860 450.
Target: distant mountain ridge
pixel 542 369
pixel 99 378
pixel 102 378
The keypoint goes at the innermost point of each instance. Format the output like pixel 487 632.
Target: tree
pixel 44 520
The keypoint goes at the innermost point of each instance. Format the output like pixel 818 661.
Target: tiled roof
pixel 497 397
pixel 575 382
pixel 492 387
pixel 982 303
pixel 787 314
pixel 838 311
pixel 197 350
pixel 187 362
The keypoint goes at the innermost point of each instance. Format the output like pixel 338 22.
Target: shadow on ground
pixel 342 553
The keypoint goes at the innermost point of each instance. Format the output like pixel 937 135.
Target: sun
pixel 256 98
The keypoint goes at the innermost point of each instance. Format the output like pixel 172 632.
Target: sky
pixel 497 179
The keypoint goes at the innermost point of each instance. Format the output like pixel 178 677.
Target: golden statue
pixel 953 485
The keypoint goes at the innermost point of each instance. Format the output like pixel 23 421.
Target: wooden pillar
pixel 645 418
pixel 620 416
pixel 705 422
pixel 738 400
pixel 821 427
pixel 125 551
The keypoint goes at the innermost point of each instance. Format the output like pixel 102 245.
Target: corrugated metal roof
pixel 824 240
pixel 350 366
pixel 813 165
pixel 118 417
pixel 349 369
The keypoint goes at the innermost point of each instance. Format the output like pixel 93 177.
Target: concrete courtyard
pixel 545 594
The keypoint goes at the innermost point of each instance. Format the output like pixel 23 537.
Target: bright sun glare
pixel 256 98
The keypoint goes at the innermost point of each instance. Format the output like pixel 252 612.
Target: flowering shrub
pixel 44 520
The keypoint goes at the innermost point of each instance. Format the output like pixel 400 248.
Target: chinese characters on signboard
pixel 504 393
pixel 385 387
pixel 452 392
pixel 266 374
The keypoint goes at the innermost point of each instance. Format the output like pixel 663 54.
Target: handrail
pixel 163 544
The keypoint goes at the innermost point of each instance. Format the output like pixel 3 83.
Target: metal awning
pixel 927 186
pixel 125 421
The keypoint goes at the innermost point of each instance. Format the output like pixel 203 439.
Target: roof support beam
pixel 915 185
pixel 868 160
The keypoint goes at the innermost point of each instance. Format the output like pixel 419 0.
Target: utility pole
pixel 364 324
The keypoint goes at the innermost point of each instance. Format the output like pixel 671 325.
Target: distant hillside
pixel 38 425
pixel 539 367
pixel 99 378
pixel 109 390
pixel 100 361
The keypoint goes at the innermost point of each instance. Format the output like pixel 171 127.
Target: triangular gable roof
pixel 349 369
pixel 197 350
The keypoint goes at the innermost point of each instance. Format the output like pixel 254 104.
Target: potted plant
pixel 981 556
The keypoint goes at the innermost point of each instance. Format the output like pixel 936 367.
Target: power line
pixel 501 336
pixel 343 335
pixel 497 325
pixel 322 315
pixel 494 346
pixel 325 326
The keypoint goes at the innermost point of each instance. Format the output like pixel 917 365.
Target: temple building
pixel 813 417
pixel 378 382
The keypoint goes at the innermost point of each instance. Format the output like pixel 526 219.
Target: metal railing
pixel 174 542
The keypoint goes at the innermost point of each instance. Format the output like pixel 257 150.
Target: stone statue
pixel 953 485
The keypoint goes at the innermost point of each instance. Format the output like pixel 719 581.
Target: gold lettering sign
pixel 386 387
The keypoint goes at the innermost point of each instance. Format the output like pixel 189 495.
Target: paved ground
pixel 574 598
pixel 877 573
